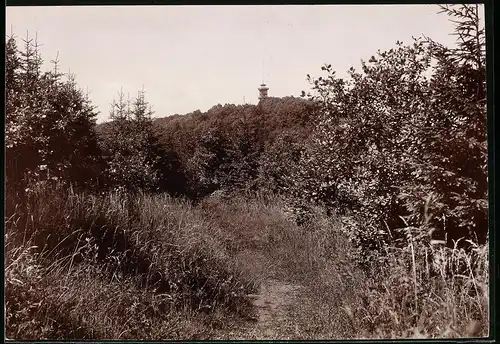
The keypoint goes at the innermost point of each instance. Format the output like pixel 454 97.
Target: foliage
pixel 49 123
pixel 278 163
pixel 131 146
pixel 208 160
pixel 407 133
pixel 451 163
pixel 222 148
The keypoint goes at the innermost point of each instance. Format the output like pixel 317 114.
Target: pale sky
pixel 194 57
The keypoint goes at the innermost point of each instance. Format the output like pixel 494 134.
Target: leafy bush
pixel 410 128
pixel 278 163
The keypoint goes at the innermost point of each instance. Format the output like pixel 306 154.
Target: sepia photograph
pixel 246 172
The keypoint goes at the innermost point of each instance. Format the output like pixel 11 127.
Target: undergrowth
pixel 107 253
pixel 137 266
pixel 418 291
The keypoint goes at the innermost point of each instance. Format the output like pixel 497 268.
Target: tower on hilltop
pixel 263 91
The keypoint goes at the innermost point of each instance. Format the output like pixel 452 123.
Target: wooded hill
pixel 226 147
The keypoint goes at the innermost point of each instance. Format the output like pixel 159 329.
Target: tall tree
pixel 131 145
pixel 50 124
pixel 453 149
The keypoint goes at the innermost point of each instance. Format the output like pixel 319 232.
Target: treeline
pixel 224 148
pixel 52 135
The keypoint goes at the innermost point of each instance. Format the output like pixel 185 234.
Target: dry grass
pixel 150 267
pixel 407 296
pixel 259 227
pixel 82 262
pixel 427 292
pixel 81 305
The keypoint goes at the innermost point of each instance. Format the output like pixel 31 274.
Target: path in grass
pixel 271 320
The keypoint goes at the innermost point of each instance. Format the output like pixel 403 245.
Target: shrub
pixel 131 148
pixel 401 132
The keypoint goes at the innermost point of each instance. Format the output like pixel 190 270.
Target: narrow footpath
pixel 272 319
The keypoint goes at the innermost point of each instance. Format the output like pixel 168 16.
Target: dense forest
pixel 369 192
pixel 224 148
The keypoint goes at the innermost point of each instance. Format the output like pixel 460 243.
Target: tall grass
pixel 418 291
pixel 98 250
pixel 117 265
pixel 426 292
pixel 316 256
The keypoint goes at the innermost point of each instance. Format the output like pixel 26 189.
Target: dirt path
pixel 271 320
